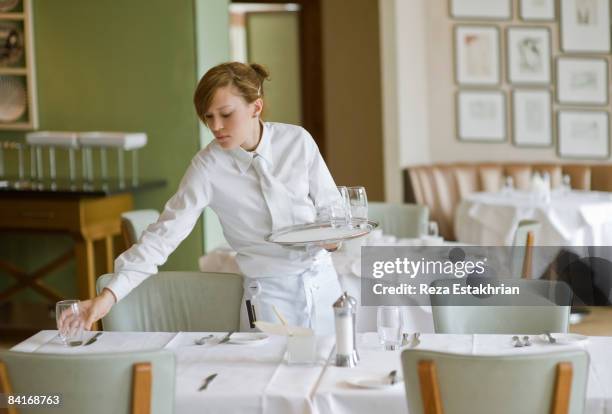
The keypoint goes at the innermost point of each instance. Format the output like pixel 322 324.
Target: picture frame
pixel 481 115
pixel 532 118
pixel 477 55
pixel 582 81
pixel 529 55
pixel 537 10
pixel 585 26
pixel 481 9
pixel 583 134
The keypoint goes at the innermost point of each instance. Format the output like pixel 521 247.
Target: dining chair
pixel 400 220
pixel 542 306
pixel 522 248
pixel 134 222
pixel 178 301
pixel 438 382
pixel 124 382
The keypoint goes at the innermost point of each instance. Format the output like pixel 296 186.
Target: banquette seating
pixel 442 186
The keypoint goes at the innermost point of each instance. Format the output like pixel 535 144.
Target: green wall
pixel 125 66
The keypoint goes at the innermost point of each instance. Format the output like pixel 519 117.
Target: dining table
pixel 567 218
pixel 256 378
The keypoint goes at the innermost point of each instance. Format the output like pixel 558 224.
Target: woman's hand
pixel 90 311
pixel 332 247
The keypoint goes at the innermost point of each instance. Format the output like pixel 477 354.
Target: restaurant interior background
pixel 386 82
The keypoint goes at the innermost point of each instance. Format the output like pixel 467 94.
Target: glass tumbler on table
pixel 389 326
pixel 71 330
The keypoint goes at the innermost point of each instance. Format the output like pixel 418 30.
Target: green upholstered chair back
pixel 543 306
pixel 178 301
pixel 90 383
pixel 495 384
pixel 135 222
pixel 401 220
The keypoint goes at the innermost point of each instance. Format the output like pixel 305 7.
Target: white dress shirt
pixel 225 181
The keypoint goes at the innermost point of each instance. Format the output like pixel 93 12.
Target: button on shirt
pixel 227 182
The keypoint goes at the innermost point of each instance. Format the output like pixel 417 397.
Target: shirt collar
pixel 244 158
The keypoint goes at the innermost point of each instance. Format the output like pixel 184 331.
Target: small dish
pixel 248 338
pixel 373 383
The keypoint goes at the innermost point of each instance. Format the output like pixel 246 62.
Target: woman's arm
pixel 160 239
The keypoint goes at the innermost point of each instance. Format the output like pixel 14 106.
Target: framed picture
pixel 583 134
pixel 481 9
pixel 481 116
pixel 582 81
pixel 532 118
pixel 537 10
pixel 477 55
pixel 528 55
pixel 585 26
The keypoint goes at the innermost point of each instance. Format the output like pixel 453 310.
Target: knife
pixel 226 338
pixel 207 381
pixel 93 339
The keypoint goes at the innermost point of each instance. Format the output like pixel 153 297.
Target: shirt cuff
pixel 120 286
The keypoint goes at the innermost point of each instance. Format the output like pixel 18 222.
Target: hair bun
pixel 261 72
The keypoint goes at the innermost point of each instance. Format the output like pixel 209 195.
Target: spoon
pixel 203 339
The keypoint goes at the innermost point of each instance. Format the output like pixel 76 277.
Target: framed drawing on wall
pixel 481 9
pixel 585 26
pixel 583 134
pixel 537 10
pixel 477 55
pixel 528 55
pixel 532 118
pixel 582 81
pixel 481 116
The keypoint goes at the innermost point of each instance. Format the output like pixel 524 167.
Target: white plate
pixel 247 338
pixel 565 338
pixel 372 383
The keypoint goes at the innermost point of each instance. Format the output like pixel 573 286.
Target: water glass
pixel 340 210
pixel 71 331
pixel 566 184
pixel 432 229
pixel 389 326
pixel 508 187
pixel 358 200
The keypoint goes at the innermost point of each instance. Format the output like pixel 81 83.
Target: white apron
pixel 304 300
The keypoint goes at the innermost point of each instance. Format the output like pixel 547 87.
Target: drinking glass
pixel 432 229
pixel 358 200
pixel 389 326
pixel 566 184
pixel 508 187
pixel 340 210
pixel 71 331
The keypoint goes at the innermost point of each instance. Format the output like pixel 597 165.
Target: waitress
pixel 257 177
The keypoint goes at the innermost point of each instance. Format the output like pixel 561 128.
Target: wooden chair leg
pixel 6 389
pixel 141 388
pixel 563 388
pixel 527 261
pixel 430 392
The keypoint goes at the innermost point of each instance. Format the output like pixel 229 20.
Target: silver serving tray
pixel 359 228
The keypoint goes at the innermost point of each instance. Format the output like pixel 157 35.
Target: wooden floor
pixel 597 323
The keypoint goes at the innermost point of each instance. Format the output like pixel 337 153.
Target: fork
pixel 203 339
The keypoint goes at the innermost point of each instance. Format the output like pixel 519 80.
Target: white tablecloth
pixel 253 379
pixel 577 218
pixel 335 396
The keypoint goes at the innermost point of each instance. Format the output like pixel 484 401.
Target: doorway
pixel 285 38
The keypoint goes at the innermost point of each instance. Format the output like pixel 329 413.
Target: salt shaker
pixel 343 313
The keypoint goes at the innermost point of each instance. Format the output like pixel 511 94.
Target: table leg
pixel 110 253
pixel 86 279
